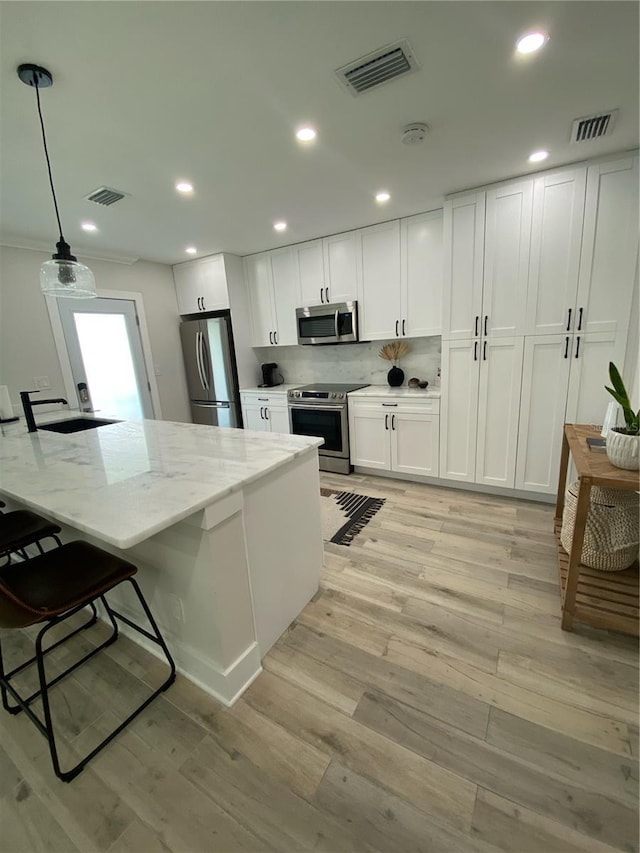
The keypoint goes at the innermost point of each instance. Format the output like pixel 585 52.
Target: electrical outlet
pixel 41 383
pixel 157 369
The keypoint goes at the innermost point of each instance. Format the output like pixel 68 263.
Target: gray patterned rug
pixel 344 514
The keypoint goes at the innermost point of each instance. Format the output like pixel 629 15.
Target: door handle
pixel 577 346
pixel 199 306
pixel 403 331
pixel 580 320
pixel 266 413
pixel 486 317
pixel 475 350
pixel 326 293
pixel 389 404
pixel 199 361
pixel 270 337
pixel 206 362
pixel 477 321
pixel 393 421
pixel 397 324
pixel 202 300
pixel 386 421
pixel 569 321
pixel 484 350
pixel 566 347
pixel 261 413
pixel 322 295
pixel 275 337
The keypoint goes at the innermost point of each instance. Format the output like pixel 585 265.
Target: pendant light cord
pixel 46 154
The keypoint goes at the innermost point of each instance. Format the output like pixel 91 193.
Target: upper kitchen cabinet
pixel 556 237
pixel 463 266
pixel 421 270
pixel 341 267
pixel 201 285
pixel 311 272
pixel 609 248
pixel 506 258
pixel 274 293
pixel 379 301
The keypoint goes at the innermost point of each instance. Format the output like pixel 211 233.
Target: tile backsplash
pixel 352 362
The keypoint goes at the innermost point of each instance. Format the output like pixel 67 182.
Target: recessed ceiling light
pixel 538 156
pixel 184 187
pixel 531 42
pixel 89 226
pixel 191 250
pixel 306 134
pixel 280 226
pixel 382 196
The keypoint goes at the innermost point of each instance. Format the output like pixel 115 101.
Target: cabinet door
pixel 341 266
pixel 278 419
pixel 609 247
pixel 187 288
pixel 463 266
pixel 311 272
pixel 369 436
pixel 421 257
pixel 253 416
pixel 379 286
pixel 556 238
pixel 201 285
pixel 260 288
pixel 506 259
pixel 545 379
pixel 414 443
pixel 498 411
pixel 286 295
pixel 587 399
pixel 459 409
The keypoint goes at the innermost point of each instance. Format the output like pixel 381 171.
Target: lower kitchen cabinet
pixel 397 435
pixel 265 412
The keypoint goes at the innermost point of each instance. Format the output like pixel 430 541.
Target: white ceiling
pixel 148 92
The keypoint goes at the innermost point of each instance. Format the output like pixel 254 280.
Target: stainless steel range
pixel 321 410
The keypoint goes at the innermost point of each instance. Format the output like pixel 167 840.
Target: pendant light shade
pixel 62 275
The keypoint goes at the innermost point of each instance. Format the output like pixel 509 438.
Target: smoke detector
pixel 414 133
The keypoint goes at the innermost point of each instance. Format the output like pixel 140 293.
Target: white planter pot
pixel 622 449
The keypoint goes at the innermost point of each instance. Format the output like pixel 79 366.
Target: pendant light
pixel 62 275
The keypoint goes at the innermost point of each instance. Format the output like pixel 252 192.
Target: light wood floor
pixel 426 700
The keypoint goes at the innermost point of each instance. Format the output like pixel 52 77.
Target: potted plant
pixel 623 442
pixel 394 352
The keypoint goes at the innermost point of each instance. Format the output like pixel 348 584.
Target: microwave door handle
pixel 336 322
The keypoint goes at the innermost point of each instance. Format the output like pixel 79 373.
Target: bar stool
pixel 49 589
pixel 21 528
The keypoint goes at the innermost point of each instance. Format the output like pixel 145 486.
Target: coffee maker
pixel 269 376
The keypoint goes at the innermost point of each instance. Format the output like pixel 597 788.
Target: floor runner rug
pixel 344 514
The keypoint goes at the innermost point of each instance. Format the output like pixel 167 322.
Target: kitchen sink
pixel 76 424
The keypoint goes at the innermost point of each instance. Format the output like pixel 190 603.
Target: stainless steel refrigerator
pixel 210 366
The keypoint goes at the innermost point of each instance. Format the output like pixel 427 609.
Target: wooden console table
pixel 604 599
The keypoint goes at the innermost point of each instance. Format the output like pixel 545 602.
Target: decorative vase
pixel 622 449
pixel 395 376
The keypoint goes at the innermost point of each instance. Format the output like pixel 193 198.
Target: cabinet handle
pixel 577 346
pixel 566 347
pixel 403 331
pixel 266 413
pixel 477 320
pixel 326 293
pixel 389 404
pixel 202 300
pixel 199 307
pixel 475 350
pixel 322 295
pixel 486 317
pixel 569 321
pixel 580 320
pixel 270 337
pixel 393 421
pixel 264 399
pixel 275 337
pixel 261 412
pixel 397 324
pixel 484 351
pixel 386 421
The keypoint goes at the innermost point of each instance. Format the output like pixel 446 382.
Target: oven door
pixel 328 422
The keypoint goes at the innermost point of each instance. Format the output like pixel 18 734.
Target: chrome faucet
pixel 28 404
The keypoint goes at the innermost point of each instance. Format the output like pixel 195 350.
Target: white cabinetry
pixel 311 271
pixel 395 434
pixel 480 407
pixel 201 285
pixel 274 292
pixel 463 266
pixel 379 300
pixel 265 412
pixel 341 267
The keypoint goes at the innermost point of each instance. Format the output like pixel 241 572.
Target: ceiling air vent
pixel 378 67
pixel 593 127
pixel 105 196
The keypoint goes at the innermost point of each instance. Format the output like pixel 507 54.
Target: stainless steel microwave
pixel 336 323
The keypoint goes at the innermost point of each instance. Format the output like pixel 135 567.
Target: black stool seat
pixel 49 589
pixel 23 527
pixel 60 579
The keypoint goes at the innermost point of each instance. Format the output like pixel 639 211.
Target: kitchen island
pixel 223 524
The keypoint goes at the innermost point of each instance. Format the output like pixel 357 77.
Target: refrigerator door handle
pixel 198 363
pixel 204 362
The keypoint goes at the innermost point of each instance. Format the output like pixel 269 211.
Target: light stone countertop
pixel 387 391
pixel 126 481
pixel 275 389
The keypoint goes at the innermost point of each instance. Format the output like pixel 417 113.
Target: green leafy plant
pixel 619 394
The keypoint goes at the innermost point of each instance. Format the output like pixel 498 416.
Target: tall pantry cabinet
pixel 545 266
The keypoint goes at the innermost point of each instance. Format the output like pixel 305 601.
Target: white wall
pixel 27 348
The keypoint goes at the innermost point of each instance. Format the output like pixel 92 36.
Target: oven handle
pixel 315 408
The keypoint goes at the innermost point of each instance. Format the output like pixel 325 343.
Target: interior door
pixel 105 352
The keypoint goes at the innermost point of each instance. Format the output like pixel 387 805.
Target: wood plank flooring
pixel 425 700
